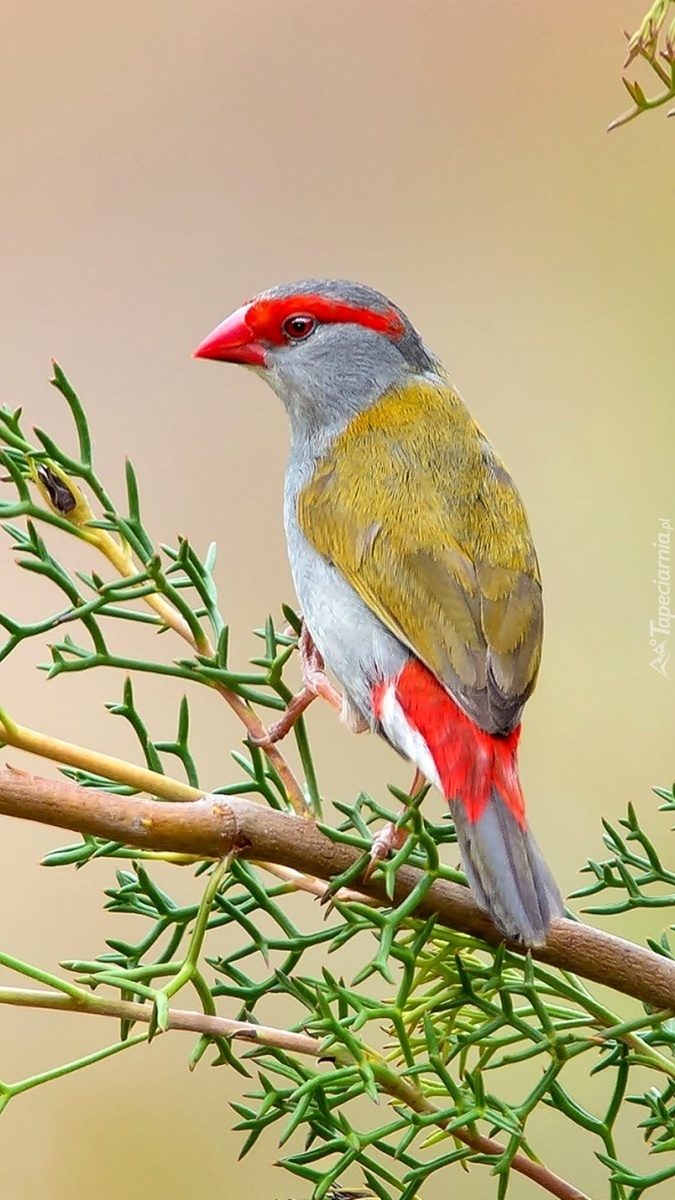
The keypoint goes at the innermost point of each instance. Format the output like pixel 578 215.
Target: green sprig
pixel 406 1010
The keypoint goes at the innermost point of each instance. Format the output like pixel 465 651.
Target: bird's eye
pixel 297 327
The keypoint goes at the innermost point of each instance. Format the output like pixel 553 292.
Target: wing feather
pixel 416 510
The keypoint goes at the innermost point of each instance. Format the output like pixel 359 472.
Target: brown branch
pixel 178 1018
pixel 215 826
pixel 403 1090
pixel 294 1043
pixel 258 734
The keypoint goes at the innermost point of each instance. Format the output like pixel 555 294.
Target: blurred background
pixel 160 164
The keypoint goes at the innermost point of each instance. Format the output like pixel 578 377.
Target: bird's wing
pixel 412 505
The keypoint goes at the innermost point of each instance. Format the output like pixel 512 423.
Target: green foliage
pixel 635 869
pixel 464 1041
pixel 657 50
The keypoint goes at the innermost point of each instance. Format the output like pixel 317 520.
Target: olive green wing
pixel 414 508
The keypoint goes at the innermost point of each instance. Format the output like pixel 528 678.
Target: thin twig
pixel 119 555
pixel 84 759
pixel 411 1095
pixel 293 1043
pixel 118 769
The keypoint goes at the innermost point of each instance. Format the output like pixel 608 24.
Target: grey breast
pixel 356 646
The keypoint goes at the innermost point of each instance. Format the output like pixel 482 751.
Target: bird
pixel 413 563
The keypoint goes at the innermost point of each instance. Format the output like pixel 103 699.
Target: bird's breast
pixel 357 647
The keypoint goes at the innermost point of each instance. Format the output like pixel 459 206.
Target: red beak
pixel 233 341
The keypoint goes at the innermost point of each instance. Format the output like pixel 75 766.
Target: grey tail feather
pixel 507 872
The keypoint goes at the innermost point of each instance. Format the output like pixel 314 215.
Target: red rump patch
pixel 265 318
pixel 470 762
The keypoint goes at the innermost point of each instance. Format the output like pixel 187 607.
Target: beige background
pixel 162 162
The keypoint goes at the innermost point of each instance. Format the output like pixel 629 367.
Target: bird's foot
pixel 294 709
pixel 314 678
pixel 315 683
pixel 391 837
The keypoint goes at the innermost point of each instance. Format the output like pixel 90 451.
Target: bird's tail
pixel 478 774
pixel 506 871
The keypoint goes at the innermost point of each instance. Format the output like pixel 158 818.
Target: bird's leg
pixel 314 677
pixel 315 683
pixel 391 837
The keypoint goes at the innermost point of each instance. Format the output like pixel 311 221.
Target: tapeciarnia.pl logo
pixel 659 630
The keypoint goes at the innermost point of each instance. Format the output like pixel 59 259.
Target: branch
pixel 84 759
pixel 294 1043
pixel 178 1018
pixel 216 826
pixel 644 44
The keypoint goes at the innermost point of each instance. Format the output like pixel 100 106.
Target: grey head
pixel 328 347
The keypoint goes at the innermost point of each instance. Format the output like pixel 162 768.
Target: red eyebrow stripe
pixel 266 317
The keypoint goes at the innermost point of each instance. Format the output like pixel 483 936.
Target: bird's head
pixel 329 348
